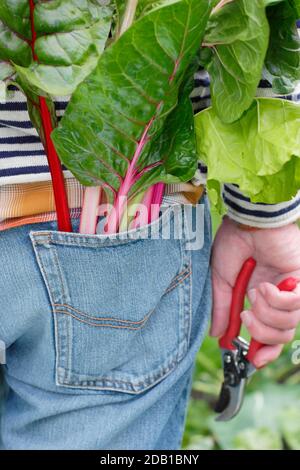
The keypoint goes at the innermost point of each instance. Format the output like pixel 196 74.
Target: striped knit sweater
pixel 22 157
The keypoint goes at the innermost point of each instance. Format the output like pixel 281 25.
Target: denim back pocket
pixel 121 305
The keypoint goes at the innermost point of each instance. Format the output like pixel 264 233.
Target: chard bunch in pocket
pixel 129 128
pixel 46 50
pixel 138 131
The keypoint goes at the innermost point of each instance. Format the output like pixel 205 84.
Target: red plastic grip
pixel 58 183
pixel 237 304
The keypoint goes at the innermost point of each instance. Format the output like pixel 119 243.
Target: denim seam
pixel 103 325
pixel 114 382
pixel 41 265
pixel 189 293
pixel 96 241
pixel 59 347
pixel 60 275
pixel 180 281
pixel 186 393
pixel 65 358
pixel 94 245
pixel 117 320
pixel 190 310
pixel 69 347
pixel 56 332
pixel 183 271
pixel 139 383
pixel 182 343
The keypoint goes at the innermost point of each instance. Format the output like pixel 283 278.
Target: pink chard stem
pixel 143 215
pixel 157 198
pixel 116 214
pixel 89 214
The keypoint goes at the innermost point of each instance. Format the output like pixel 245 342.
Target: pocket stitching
pixel 93 386
pixel 187 271
pixel 142 322
pixel 61 278
pixel 98 241
pixel 184 274
pixel 97 318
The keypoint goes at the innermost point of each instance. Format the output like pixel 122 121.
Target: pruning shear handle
pixel 237 354
pixel 237 306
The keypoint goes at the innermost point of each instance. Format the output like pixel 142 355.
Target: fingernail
pixel 263 289
pixel 252 295
pixel 246 318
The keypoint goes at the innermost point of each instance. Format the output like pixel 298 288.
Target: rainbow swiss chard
pixel 138 126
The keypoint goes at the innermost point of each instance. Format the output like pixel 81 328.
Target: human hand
pixel 274 315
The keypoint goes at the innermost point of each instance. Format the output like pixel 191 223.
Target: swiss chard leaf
pixel 236 44
pixel 294 3
pixel 297 6
pixel 283 57
pixel 128 100
pixel 144 6
pixel 70 37
pixel 260 153
pixel 175 146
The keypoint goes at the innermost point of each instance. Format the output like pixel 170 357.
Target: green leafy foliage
pixel 283 56
pixel 260 152
pixel 263 420
pixel 197 435
pixel 136 104
pixel 70 37
pixel 290 425
pixel 236 43
pixel 142 7
pixel 297 6
pixel 261 438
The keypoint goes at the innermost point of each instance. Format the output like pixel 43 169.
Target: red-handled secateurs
pixel 238 354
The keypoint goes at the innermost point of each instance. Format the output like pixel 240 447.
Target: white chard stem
pixel 128 16
pixel 220 5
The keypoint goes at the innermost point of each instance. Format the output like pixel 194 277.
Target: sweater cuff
pixel 242 210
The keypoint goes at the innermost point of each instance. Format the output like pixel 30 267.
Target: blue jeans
pixel 101 336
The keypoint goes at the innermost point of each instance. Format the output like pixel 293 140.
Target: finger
pixel 265 334
pixel 222 293
pixel 280 299
pixel 280 319
pixel 266 355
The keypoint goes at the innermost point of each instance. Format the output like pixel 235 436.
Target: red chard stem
pixel 60 195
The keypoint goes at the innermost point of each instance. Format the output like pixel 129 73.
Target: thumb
pixel 222 294
pixel 231 248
